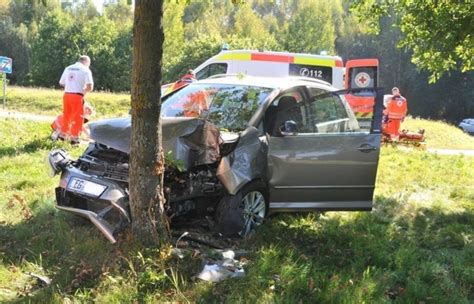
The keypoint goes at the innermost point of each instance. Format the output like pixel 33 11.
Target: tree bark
pixel 149 222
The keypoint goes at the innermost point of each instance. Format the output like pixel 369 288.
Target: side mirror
pixel 289 128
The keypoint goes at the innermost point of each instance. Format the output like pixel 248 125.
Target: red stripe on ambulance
pixel 273 58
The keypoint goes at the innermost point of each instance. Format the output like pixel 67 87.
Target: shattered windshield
pixel 227 106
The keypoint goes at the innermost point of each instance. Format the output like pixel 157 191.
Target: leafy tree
pixel 211 20
pixel 14 44
pixel 174 45
pixel 96 38
pixel 53 49
pixel 18 27
pixel 121 60
pixel 120 13
pixel 197 50
pixel 311 29
pixel 248 24
pixel 62 39
pixel 440 33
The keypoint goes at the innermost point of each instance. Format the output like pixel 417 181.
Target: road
pixel 451 152
pixel 28 116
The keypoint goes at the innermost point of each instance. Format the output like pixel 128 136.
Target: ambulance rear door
pixel 362 74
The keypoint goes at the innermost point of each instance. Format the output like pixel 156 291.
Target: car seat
pixel 276 115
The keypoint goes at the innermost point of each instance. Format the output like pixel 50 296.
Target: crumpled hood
pixel 192 141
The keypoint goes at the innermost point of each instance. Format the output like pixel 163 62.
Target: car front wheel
pixel 240 214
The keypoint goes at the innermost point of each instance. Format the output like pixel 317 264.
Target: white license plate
pixel 86 187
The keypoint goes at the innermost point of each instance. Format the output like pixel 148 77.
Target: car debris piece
pixel 43 279
pixel 221 271
pixel 216 270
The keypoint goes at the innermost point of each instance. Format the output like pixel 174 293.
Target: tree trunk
pixel 149 222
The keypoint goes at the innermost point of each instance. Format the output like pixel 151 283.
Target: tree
pixel 248 23
pixel 149 223
pixel 53 49
pixel 311 29
pixel 207 19
pixel 174 45
pixel 440 33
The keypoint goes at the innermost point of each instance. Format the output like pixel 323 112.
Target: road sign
pixel 6 65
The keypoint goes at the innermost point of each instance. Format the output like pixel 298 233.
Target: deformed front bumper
pixel 108 211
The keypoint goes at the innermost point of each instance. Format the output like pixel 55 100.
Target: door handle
pixel 366 148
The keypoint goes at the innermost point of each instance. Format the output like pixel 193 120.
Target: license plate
pixel 86 187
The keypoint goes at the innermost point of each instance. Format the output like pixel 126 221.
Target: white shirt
pixel 75 77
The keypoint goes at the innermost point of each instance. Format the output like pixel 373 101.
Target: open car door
pixel 325 161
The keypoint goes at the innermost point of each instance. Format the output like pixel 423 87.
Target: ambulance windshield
pixel 228 106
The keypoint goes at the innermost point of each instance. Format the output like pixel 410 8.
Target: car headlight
pixel 57 160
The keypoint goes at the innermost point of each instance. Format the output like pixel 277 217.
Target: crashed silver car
pixel 237 148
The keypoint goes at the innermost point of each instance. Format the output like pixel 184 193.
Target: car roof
pixel 281 83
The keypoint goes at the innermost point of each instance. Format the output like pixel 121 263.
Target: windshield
pixel 228 106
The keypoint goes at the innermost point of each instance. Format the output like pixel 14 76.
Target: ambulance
pixel 360 73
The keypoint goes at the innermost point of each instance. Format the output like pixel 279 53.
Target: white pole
pixel 4 81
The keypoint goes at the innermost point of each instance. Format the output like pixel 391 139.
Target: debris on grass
pixel 219 262
pixel 219 271
pixel 44 280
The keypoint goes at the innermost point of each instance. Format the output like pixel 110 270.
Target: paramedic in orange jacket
pixel 77 81
pixel 395 111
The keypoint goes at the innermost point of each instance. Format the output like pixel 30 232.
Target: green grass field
pixel 416 246
pixel 50 102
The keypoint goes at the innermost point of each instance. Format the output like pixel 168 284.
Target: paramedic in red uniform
pixel 395 111
pixel 77 81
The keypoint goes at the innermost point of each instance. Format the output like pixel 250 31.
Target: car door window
pixel 212 69
pixel 283 108
pixel 328 114
pixel 321 114
pixel 312 91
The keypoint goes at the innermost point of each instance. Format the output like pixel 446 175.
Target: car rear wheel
pixel 240 214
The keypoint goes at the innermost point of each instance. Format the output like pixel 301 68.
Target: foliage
pixel 174 45
pixel 61 40
pixel 415 246
pixel 440 34
pixel 43 40
pixel 312 29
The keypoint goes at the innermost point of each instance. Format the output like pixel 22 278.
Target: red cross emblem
pixel 362 80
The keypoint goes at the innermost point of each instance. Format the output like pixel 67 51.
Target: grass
pixel 440 134
pixel 416 246
pixel 50 101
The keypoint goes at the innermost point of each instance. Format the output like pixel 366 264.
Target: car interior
pixel 322 114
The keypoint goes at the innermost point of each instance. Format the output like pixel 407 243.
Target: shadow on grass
pixel 52 244
pixel 426 255
pixel 373 257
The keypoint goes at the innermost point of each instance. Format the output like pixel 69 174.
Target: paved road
pixel 28 116
pixel 451 152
